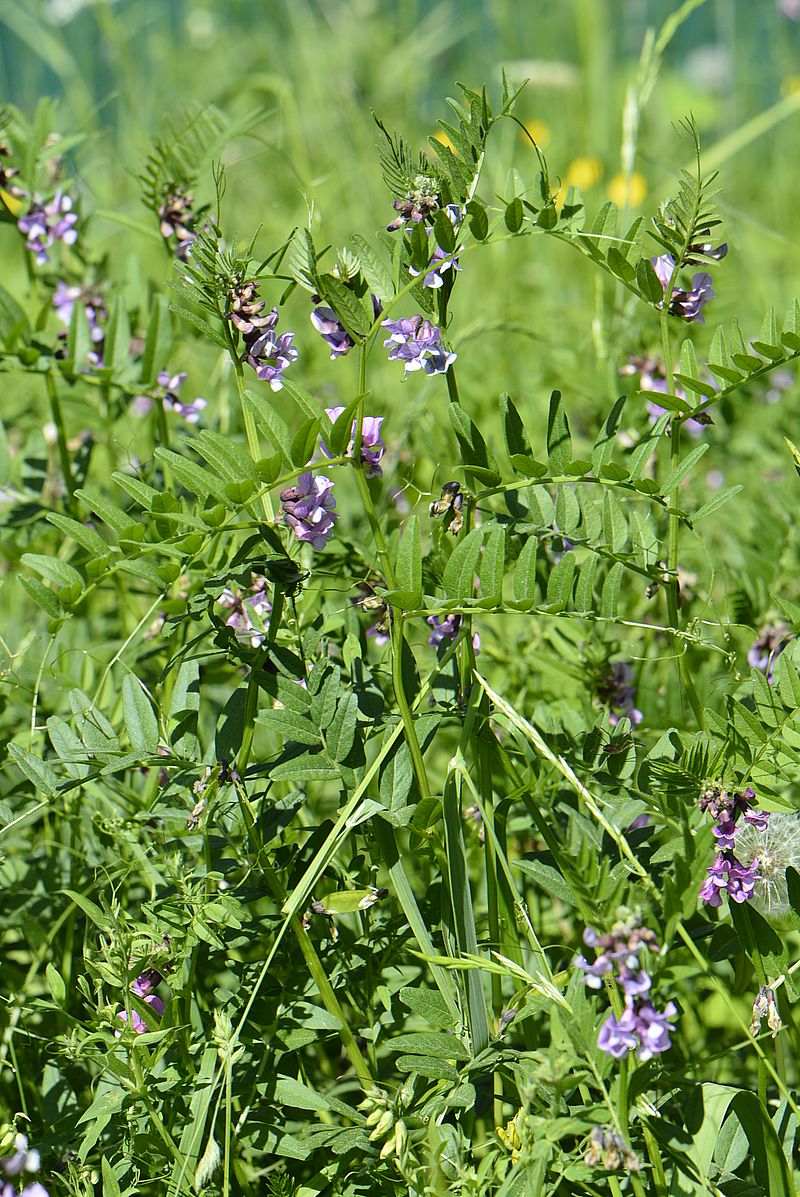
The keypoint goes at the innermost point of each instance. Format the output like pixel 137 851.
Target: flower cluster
pixel 64 299
pixel 767 647
pixel 144 987
pixel 439 263
pixel 420 201
pixel 331 329
pixel 166 392
pixel 175 220
pixel 8 172
pixel 610 1150
pixel 267 353
pixel 308 509
pixel 687 305
pixel 446 628
pixel 372 447
pixel 248 612
pixel 23 1159
pixel 45 223
pixel 727 873
pixel 640 1027
pixel 418 343
pixel 617 691
pixel 652 377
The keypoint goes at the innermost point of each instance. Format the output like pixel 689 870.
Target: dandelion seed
pixel 776 847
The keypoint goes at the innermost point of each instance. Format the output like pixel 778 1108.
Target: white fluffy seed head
pixel 777 849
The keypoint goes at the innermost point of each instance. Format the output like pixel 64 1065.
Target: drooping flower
pixel 308 509
pixel 653 1029
pixel 144 987
pixel 617 690
pixel 64 299
pixel 608 1148
pixel 248 612
pixel 652 378
pixel 331 329
pixel 265 351
pixel 166 393
pixel 8 172
pixel 446 628
pixel 176 220
pixel 640 1027
pixel 372 447
pixel 727 873
pixel 440 262
pixel 687 305
pixel 24 1159
pixel 767 647
pixel 417 343
pixel 617 1036
pixel 45 223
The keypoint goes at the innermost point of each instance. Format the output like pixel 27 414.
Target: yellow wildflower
pixel 584 172
pixel 630 196
pixel 539 131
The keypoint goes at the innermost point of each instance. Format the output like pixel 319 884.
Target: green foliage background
pixel 97 859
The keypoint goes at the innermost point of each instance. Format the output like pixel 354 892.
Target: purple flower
pixel 617 1037
pixel 143 987
pixel 32 1190
pixel 433 277
pixel 46 223
pixel 725 832
pixel 618 691
pixel 652 382
pixel 758 819
pixel 446 628
pixel 24 1159
pixel 372 447
pixel 633 983
pixel 308 509
pixel 64 300
pixel 166 392
pixel 593 973
pixel 269 355
pixel 248 613
pixel 716 881
pixel 378 632
pixel 685 304
pixel 266 352
pixel 653 1029
pixel 768 646
pixel 790 9
pixel 148 981
pixel 332 331
pixel 155 1003
pixel 729 874
pixel 418 343
pixel 742 880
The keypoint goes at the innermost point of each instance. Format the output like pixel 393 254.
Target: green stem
pixel 398 636
pixel 226 1177
pixel 57 417
pixel 673 586
pixel 249 421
